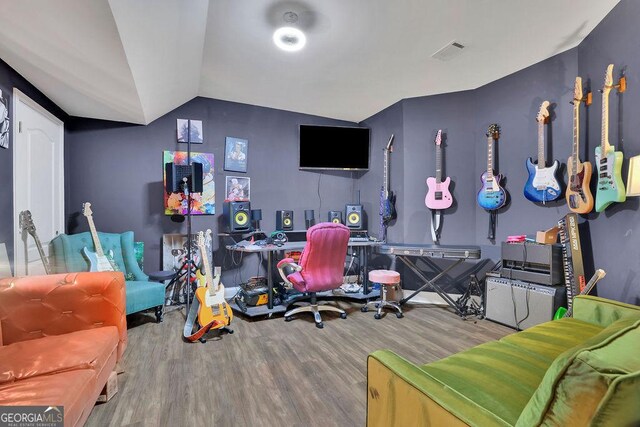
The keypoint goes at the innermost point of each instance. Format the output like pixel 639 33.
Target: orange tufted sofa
pixel 60 338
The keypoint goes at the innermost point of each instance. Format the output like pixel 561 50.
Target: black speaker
pixel 335 217
pixel 237 216
pixel 353 216
pixel 284 220
pixel 309 218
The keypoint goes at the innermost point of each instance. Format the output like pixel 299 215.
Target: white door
pixel 38 180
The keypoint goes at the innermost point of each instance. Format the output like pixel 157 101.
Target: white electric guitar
pixel 98 261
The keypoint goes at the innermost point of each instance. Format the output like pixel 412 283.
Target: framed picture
pixel 189 131
pixel 4 121
pixel 201 203
pixel 237 188
pixel 235 154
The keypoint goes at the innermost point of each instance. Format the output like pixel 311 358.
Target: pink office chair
pixel 321 267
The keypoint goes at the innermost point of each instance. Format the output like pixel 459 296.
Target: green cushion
pixel 143 295
pixel 501 376
pixel 594 382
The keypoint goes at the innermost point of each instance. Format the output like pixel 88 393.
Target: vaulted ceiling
pixel 136 60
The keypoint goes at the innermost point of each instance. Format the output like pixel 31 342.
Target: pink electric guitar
pixel 438 195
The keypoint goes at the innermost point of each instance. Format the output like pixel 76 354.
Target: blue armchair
pixel 66 257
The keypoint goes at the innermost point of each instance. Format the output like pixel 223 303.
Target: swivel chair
pixel 321 267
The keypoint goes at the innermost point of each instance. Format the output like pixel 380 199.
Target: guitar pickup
pixel 603 175
pixel 438 195
pixel 603 160
pixel 603 167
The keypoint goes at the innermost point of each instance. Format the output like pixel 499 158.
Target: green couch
pixel 576 371
pixel 66 256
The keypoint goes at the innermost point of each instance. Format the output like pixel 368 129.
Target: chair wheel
pixel 230 331
pixel 343 315
pixel 399 315
pixel 377 316
pixel 319 325
pixel 364 309
pixel 202 340
pixel 288 319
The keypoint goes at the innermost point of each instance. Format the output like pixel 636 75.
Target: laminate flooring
pixel 271 372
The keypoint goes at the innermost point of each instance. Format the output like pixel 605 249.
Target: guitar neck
pixel 386 183
pixel 489 158
pixel 605 120
pixel 94 236
pixel 541 164
pixel 43 257
pixel 438 164
pixel 576 135
pixel 207 268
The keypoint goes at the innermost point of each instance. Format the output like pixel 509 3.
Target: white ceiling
pixel 136 60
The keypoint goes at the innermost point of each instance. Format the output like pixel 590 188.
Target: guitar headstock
pixel 86 209
pixel 608 78
pixel 543 113
pixel 577 91
pixel 438 140
pixel 389 146
pixel 493 131
pixel 26 222
pixel 200 239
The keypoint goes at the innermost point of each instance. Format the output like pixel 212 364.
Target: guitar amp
pixel 520 304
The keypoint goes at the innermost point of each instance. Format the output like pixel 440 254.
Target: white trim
pixel 18 95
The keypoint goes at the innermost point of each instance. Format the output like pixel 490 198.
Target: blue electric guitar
pixel 491 196
pixel 610 187
pixel 98 261
pixel 542 185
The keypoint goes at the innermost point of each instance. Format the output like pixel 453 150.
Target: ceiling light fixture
pixel 288 38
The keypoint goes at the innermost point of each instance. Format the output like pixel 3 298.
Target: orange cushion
pixel 75 390
pixel 87 349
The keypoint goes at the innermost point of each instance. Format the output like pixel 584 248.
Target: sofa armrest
pixel 602 311
pixel 38 306
pixel 399 393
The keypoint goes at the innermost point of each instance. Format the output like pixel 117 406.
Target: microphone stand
pixel 189 254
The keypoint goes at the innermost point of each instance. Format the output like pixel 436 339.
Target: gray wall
pixel 118 167
pixel 9 79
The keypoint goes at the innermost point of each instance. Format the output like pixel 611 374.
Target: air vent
pixel 448 52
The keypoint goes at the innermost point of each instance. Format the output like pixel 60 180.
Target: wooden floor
pixel 270 372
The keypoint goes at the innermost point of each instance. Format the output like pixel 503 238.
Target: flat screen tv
pixel 334 147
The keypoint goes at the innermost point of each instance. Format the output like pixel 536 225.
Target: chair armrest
pixel 284 263
pixel 602 311
pixel 38 306
pixel 399 393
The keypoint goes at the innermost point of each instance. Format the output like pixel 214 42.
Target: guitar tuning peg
pixel 571 102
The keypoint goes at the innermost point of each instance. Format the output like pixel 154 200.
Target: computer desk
pixel 364 248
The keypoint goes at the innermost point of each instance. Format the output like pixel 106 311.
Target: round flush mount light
pixel 289 39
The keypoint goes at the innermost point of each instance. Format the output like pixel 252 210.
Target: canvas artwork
pixel 5 124
pixel 235 154
pixel 201 203
pixel 190 131
pixel 237 188
pixel 174 255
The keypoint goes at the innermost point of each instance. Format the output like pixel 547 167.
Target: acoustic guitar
pixel 491 195
pixel 610 187
pixel 214 309
pixel 578 195
pixel 98 260
pixel 26 224
pixel 542 185
pixel 438 194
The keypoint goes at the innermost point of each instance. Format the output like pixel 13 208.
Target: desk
pixel 244 247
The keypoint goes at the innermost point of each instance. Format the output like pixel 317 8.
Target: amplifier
pixel 520 304
pixel 532 262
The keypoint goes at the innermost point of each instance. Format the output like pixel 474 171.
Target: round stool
pixel 387 279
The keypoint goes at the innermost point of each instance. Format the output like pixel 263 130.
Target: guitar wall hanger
pixel 621 87
pixel 587 99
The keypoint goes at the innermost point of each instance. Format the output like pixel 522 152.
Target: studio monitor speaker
pixel 237 216
pixel 335 217
pixel 284 220
pixel 353 216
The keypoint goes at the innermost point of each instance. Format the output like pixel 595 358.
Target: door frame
pixel 19 96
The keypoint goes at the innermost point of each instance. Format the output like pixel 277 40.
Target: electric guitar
pixel 26 224
pixel 610 187
pixel 542 185
pixel 387 198
pixel 438 194
pixel 214 309
pixel 98 261
pixel 578 195
pixel 491 196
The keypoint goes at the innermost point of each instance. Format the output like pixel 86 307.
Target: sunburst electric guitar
pixel 578 195
pixel 491 196
pixel 542 185
pixel 214 309
pixel 438 194
pixel 98 260
pixel 610 187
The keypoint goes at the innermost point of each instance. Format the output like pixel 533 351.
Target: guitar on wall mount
pixel 542 185
pixel 98 261
pixel 491 196
pixel 387 198
pixel 610 187
pixel 578 195
pixel 438 194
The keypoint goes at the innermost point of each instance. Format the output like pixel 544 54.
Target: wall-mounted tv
pixel 334 147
